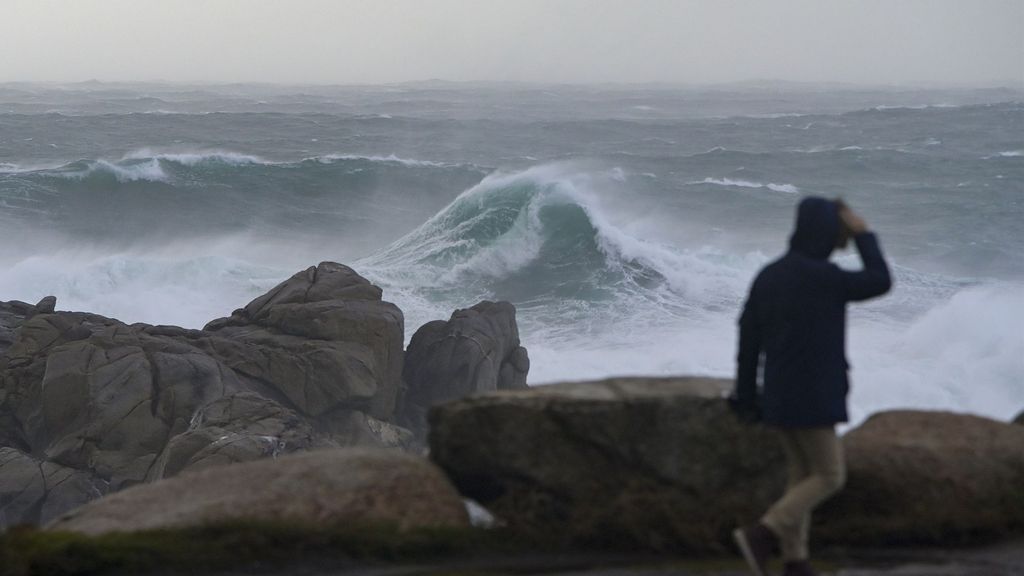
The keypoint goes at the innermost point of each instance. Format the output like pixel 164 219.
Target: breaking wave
pixel 785 188
pixel 542 236
pixel 197 158
pixel 149 170
pixel 148 165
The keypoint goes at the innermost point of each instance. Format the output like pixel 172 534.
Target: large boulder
pixel 323 337
pixel 638 463
pixel 1019 419
pixel 350 486
pixel 108 399
pixel 314 363
pixel 477 350
pixel 928 477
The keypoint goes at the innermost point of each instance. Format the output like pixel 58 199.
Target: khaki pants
pixel 816 471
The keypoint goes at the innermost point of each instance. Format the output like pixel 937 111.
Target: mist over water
pixel 625 224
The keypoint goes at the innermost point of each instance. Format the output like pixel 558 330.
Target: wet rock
pixel 637 463
pixel 928 477
pixel 1019 419
pixel 477 350
pixel 350 486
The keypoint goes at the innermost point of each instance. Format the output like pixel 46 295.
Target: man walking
pixel 793 330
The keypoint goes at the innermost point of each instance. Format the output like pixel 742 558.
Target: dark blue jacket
pixel 795 319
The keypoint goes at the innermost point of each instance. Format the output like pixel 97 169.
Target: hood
pixel 817 227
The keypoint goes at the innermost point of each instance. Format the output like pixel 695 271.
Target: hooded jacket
pixel 795 321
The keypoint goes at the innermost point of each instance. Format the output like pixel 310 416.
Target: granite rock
pixel 352 486
pixel 917 477
pixel 315 363
pixel 637 463
pixel 476 350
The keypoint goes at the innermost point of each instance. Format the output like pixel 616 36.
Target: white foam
pixel 172 286
pixel 197 157
pixel 390 158
pixel 964 354
pixel 149 170
pixel 773 116
pixel 785 188
pixel 884 107
pixel 1012 153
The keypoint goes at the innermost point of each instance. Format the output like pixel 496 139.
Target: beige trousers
pixel 816 470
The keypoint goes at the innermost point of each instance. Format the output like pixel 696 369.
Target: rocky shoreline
pixel 90 405
pixel 304 407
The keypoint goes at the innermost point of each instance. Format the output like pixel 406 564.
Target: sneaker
pixel 756 544
pixel 798 568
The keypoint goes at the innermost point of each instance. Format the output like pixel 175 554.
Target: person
pixel 792 330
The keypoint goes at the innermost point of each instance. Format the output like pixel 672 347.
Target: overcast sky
pixel 973 42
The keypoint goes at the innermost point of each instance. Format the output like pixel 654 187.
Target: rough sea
pixel 625 223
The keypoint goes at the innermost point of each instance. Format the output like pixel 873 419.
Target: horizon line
pixel 1005 84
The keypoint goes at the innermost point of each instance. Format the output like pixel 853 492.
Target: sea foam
pixel 785 188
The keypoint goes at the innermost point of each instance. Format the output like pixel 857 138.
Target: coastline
pixel 619 471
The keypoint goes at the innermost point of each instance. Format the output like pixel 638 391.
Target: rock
pixel 47 305
pixel 313 376
pixel 350 486
pixel 315 363
pixel 637 463
pixel 35 491
pixel 1019 419
pixel 236 428
pixel 110 403
pixel 355 428
pixel 477 350
pixel 928 477
pixel 338 341
pixel 14 313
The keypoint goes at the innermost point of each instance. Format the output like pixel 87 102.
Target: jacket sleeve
pixel 749 356
pixel 874 279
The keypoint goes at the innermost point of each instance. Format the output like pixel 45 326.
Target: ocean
pixel 624 222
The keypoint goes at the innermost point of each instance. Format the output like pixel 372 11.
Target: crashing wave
pixel 148 170
pixel 542 234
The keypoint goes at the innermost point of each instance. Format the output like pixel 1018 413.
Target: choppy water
pixel 625 224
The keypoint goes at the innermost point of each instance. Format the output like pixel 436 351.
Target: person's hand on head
pixel 850 220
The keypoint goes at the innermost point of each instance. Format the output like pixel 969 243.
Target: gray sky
pixel 978 42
